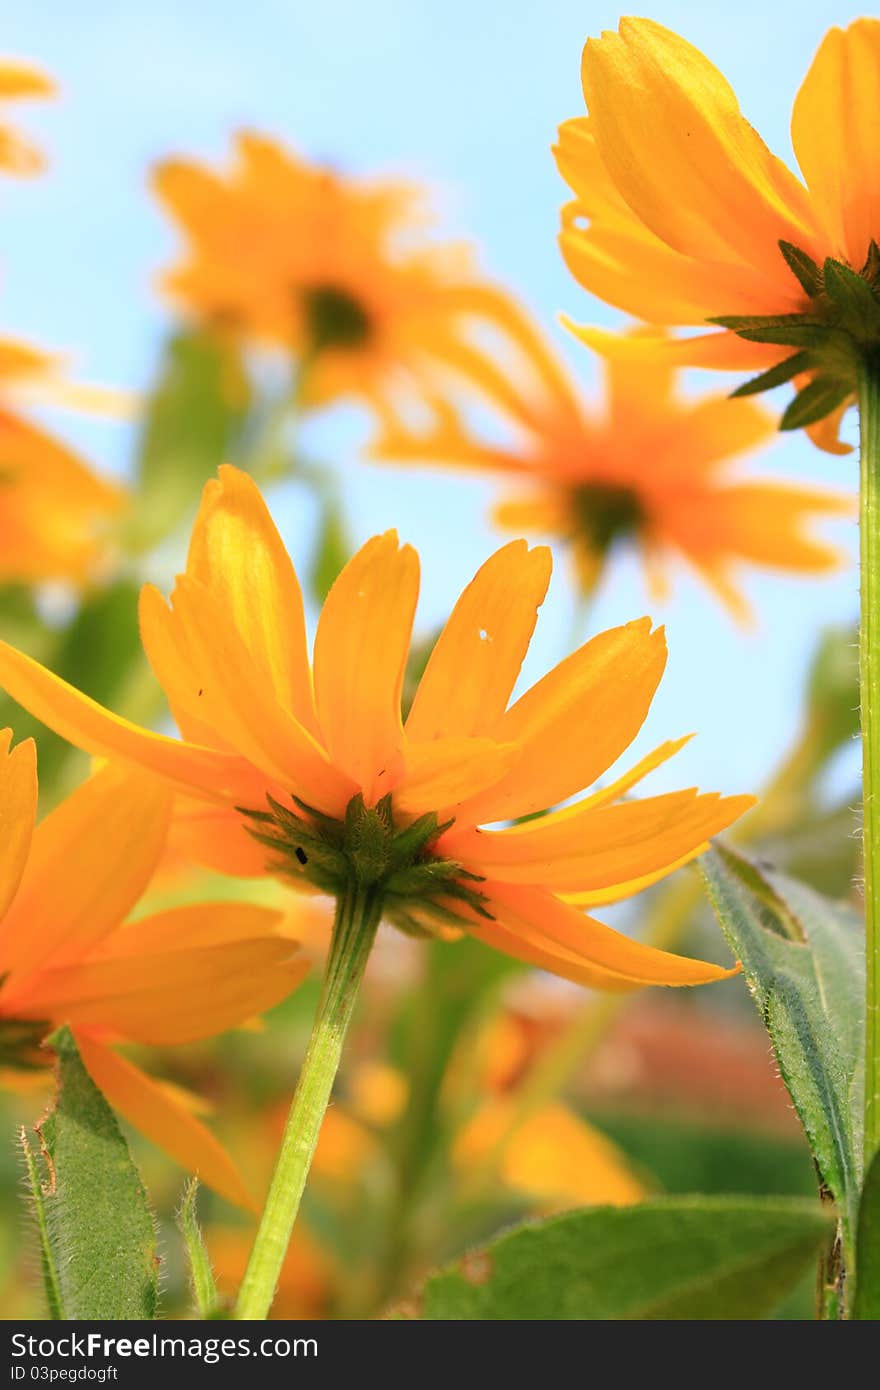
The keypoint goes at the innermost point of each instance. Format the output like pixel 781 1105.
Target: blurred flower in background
pixel 649 470
pixel 346 275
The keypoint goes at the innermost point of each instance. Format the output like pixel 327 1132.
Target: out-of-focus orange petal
pixel 361 649
pixel 18 809
pixel 185 974
pixel 575 723
pixel 477 658
pixel 152 1110
pixel 237 553
pixel 90 861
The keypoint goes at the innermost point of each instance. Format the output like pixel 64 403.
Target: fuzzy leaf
pixel 817 399
pixel 201 1276
pixel 99 1243
pixel 803 959
pixel 674 1258
pixel 867 1299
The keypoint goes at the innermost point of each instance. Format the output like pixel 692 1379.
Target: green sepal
pixel 803 267
pixel 816 400
pixel 774 376
pixel 855 299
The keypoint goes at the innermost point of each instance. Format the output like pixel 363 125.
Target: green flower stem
pixel 869 683
pixel 357 918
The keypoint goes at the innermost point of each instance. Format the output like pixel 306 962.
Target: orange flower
pixel 649 471
pixel 54 511
pixel 319 766
pixel 67 955
pixel 17 82
pixel 683 216
pixel 338 271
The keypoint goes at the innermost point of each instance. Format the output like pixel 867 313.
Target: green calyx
pixel 334 318
pixel 367 849
pixel 837 331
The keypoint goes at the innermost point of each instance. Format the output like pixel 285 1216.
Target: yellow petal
pixel 475 664
pixel 446 771
pixel 217 676
pixel 670 131
pixel 90 861
pixel 188 973
pixel 161 1117
pixel 834 133
pixel 18 809
pixel 86 724
pixel 575 722
pixel 237 553
pixel 361 649
pixel 586 847
pixel 537 927
pixel 628 780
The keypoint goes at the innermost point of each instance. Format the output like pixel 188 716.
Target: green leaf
pixel 803 959
pixel 674 1258
pixel 774 376
pixel 97 1236
pixel 332 551
pixel 807 272
pixel 817 399
pixel 855 300
pixel 201 1276
pixel 191 421
pixel 867 1300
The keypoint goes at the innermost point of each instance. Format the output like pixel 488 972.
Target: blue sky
pixel 466 95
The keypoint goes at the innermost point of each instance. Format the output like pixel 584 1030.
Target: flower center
pixel 605 514
pixel 334 318
pixel 369 849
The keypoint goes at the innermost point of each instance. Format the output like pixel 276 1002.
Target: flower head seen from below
pixel 342 273
pixel 20 82
pixel 682 215
pixel 649 470
pixel 314 774
pixel 56 515
pixel 69 956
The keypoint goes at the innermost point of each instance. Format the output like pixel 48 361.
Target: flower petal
pixel 187 973
pixel 533 920
pixel 575 722
pixel 86 724
pixel 446 771
pixel 834 133
pixel 361 649
pixel 698 175
pixel 477 658
pixel 158 1114
pixel 18 809
pixel 90 861
pixel 219 678
pixel 582 848
pixel 237 553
